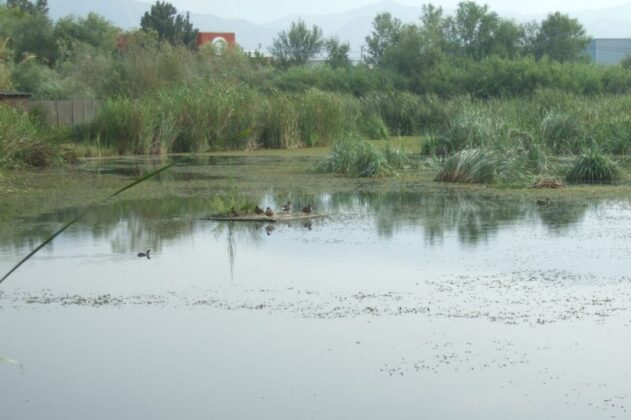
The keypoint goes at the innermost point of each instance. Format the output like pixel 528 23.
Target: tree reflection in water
pixel 135 225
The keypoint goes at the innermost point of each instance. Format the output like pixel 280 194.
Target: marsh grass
pixel 562 132
pixel 469 166
pixel 592 166
pixel 22 143
pixel 223 205
pixel 355 157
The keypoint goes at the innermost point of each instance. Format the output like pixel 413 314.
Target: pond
pixel 406 305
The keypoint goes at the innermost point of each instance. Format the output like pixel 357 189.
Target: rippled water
pixel 394 306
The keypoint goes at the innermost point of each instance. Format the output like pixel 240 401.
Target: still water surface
pixel 397 305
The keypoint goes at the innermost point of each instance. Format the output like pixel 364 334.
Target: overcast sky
pixel 261 11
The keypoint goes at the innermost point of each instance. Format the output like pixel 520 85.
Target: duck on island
pixel 269 212
pixel 308 209
pixel 258 210
pixel 287 207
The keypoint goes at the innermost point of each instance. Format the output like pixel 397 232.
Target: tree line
pixel 437 54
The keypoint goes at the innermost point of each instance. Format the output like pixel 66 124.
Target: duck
pixel 145 254
pixel 287 207
pixel 307 209
pixel 542 201
pixel 258 210
pixel 269 212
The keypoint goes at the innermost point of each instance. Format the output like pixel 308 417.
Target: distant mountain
pixel 352 26
pixel 123 13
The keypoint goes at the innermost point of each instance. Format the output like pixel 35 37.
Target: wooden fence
pixel 68 112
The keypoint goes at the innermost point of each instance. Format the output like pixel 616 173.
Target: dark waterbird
pixel 543 202
pixel 269 212
pixel 145 254
pixel 287 207
pixel 307 209
pixel 258 210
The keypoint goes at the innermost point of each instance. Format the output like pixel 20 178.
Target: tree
pixel 477 33
pixel 93 30
pixel 30 31
pixel 337 53
pixel 169 25
pixel 419 49
pixel 26 6
pixel 298 45
pixel 560 38
pixel 385 33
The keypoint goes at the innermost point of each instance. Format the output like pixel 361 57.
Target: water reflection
pixel 136 225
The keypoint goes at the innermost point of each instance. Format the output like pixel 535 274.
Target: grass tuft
pixel 468 166
pixel 357 158
pixel 593 166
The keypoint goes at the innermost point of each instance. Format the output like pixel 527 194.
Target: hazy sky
pixel 260 11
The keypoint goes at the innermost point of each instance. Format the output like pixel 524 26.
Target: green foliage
pixel 356 80
pixel 593 166
pixel 470 128
pixel 92 30
pixel 29 7
pixel 355 157
pixel 468 166
pixel 372 126
pixel 31 34
pixel 385 33
pixel 560 38
pixel 124 124
pixel 6 65
pixel 298 45
pixel 224 205
pixel 21 142
pixel 169 25
pixel 337 53
pixel 325 117
pixel 210 116
pixel 561 132
pixel 477 33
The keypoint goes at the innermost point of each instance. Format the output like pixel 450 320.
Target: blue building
pixel 609 50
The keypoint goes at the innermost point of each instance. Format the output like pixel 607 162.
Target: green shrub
pixel 372 126
pixel 325 117
pixel 468 166
pixel 593 166
pixel 355 157
pixel 562 132
pixel 470 128
pixel 21 143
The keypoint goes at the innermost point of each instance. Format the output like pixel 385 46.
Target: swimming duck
pixel 307 209
pixel 269 212
pixel 145 254
pixel 543 202
pixel 258 210
pixel 287 207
